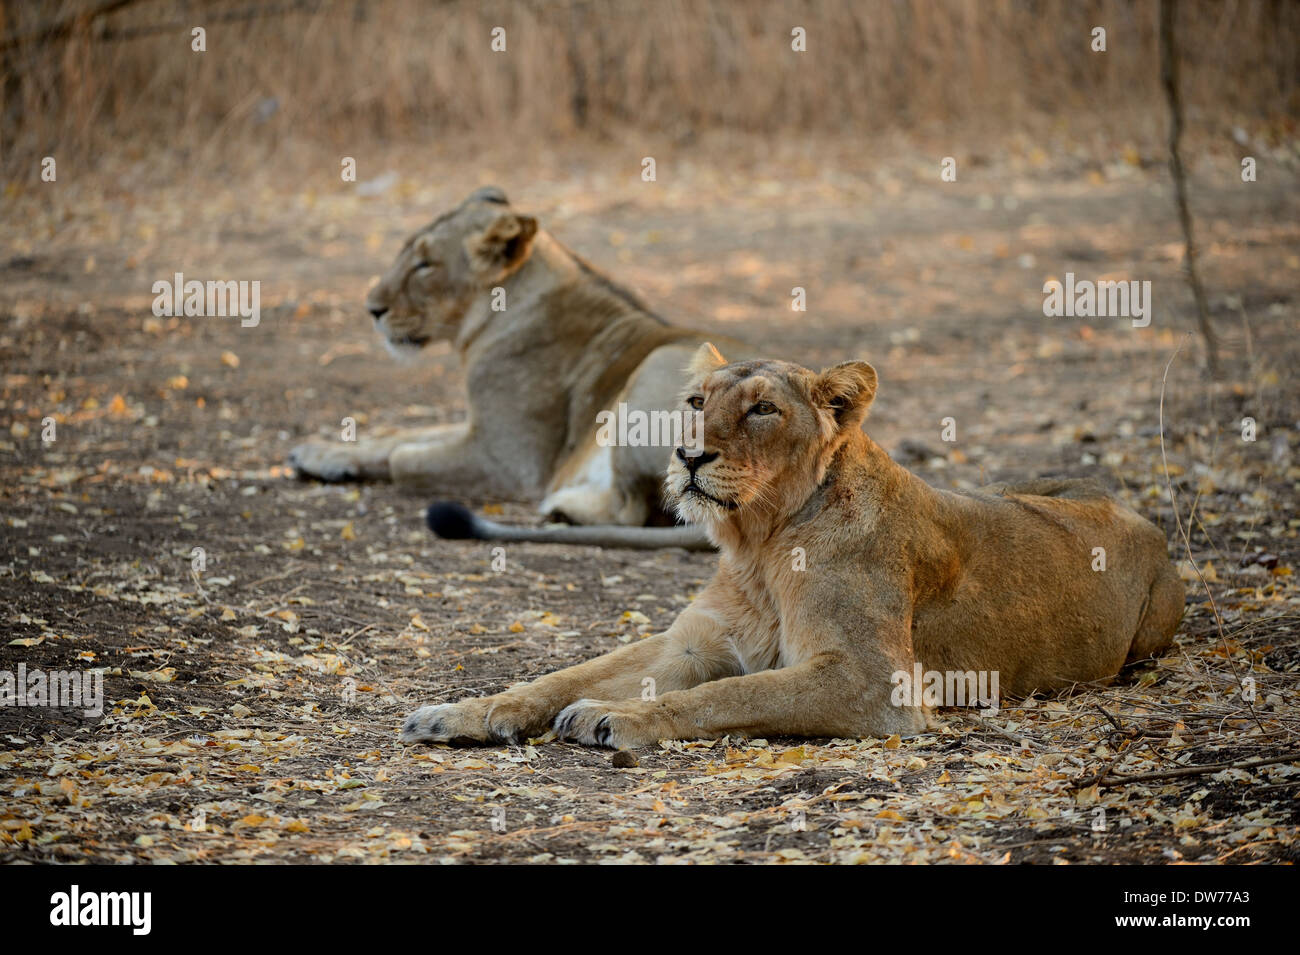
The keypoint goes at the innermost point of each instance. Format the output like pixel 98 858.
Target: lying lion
pixel 547 343
pixel 840 570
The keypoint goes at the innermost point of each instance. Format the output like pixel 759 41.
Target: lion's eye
pixel 696 402
pixel 763 408
pixel 421 266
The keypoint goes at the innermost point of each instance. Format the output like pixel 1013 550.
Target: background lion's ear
pixel 488 194
pixel 705 360
pixel 502 247
pixel 846 390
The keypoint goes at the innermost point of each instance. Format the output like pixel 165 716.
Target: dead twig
pixel 994 728
pixel 1104 779
pixel 1184 534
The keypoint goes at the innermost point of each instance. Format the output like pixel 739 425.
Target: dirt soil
pixel 252 707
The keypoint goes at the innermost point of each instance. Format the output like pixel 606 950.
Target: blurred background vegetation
pixel 92 79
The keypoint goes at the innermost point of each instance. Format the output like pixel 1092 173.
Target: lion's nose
pixel 379 312
pixel 693 459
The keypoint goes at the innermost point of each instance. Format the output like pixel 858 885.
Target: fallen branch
pixel 1105 779
pixel 1020 741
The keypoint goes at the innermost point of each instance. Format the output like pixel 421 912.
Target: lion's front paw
pixel 515 719
pixel 499 719
pixel 326 461
pixel 457 723
pixel 620 725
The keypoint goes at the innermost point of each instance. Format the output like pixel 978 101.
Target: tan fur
pixel 893 573
pixel 569 344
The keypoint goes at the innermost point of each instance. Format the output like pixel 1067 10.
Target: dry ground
pixel 252 709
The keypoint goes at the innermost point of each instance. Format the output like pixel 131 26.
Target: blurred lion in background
pixel 546 343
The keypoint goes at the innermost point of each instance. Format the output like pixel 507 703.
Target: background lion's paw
pixel 326 461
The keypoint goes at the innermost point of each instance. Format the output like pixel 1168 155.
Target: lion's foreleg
pixel 458 467
pixel 366 458
pixel 693 650
pixel 818 697
pixel 838 682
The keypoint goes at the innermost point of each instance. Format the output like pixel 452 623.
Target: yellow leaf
pixel 165 675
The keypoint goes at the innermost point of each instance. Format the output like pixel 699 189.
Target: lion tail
pixel 453 521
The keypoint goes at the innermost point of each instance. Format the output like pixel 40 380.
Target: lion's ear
pixel 846 391
pixel 488 194
pixel 502 247
pixel 706 359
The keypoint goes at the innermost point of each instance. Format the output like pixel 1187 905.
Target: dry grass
pixel 127 84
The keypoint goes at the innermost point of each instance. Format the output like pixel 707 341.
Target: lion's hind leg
pixel 1160 616
pixel 1078 489
pixel 588 491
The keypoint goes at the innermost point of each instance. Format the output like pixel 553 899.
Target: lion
pixel 546 343
pixel 840 573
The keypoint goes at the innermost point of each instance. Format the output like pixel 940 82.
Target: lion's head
pixel 446 265
pixel 766 432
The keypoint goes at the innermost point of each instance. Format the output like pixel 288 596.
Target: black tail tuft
pixel 450 520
